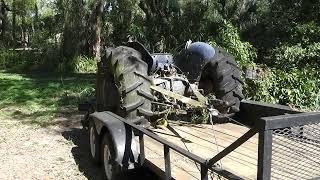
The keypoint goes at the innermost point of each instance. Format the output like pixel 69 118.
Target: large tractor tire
pixel 221 77
pixel 128 74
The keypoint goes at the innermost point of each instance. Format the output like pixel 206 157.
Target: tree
pixel 95 29
pixel 74 28
pixel 159 25
pixel 4 20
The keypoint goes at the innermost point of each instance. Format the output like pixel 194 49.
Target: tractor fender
pixel 125 145
pixel 193 58
pixel 146 56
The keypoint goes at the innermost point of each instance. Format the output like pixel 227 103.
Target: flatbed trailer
pixel 265 141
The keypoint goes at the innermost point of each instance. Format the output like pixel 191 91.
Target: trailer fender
pixel 125 145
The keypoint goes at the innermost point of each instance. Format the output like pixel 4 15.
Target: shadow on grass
pixel 62 118
pixel 43 99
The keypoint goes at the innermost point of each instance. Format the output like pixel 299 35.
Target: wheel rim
pixel 92 142
pixel 106 162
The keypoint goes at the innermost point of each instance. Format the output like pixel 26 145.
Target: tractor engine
pixel 167 76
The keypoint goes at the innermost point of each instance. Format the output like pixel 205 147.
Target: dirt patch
pixel 55 152
pixel 59 151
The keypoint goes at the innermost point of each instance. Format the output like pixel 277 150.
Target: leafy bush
pixel 42 39
pixel 228 38
pixel 30 60
pixel 305 33
pixel 19 60
pixel 295 56
pixel 82 64
pixel 48 60
pixel 298 87
pixel 290 77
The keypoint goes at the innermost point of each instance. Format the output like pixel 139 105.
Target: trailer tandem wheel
pixel 110 169
pixel 94 141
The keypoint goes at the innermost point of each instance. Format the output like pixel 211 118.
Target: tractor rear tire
pixel 222 77
pixel 130 75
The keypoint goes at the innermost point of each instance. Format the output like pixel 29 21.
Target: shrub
pixel 298 87
pixel 82 64
pixel 48 60
pixel 295 56
pixel 19 60
pixel 228 38
pixel 30 60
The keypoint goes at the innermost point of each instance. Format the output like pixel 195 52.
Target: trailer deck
pixel 273 142
pixel 205 141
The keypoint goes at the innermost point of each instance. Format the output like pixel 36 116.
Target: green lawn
pixel 39 98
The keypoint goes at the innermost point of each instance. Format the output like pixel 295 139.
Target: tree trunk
pixel 35 23
pixel 73 29
pixel 4 22
pixel 14 23
pixel 36 17
pixel 96 23
pixel 24 33
pixel 3 18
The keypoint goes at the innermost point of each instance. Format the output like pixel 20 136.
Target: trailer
pixel 264 141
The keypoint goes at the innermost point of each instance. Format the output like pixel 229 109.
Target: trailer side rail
pixel 167 146
pixel 288 147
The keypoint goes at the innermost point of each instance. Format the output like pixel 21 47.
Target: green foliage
pixel 82 64
pixel 47 61
pixel 199 116
pixel 228 38
pixel 304 33
pixel 261 89
pixel 29 60
pixel 295 56
pixel 297 87
pixel 20 60
pixel 301 49
pixel 286 33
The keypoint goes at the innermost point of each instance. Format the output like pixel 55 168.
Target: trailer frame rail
pixel 265 121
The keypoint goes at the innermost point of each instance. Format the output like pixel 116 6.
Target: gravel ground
pixel 55 152
pixel 59 151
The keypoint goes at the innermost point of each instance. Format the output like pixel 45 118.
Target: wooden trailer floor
pixel 205 141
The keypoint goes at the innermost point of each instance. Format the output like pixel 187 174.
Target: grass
pixel 40 98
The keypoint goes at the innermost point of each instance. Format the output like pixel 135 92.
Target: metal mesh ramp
pixel 296 152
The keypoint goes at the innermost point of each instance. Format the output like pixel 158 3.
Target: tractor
pixel 143 87
pixel 146 89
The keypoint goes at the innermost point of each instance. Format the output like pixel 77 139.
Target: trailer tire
pixel 111 170
pixel 94 142
pixel 130 75
pixel 222 77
